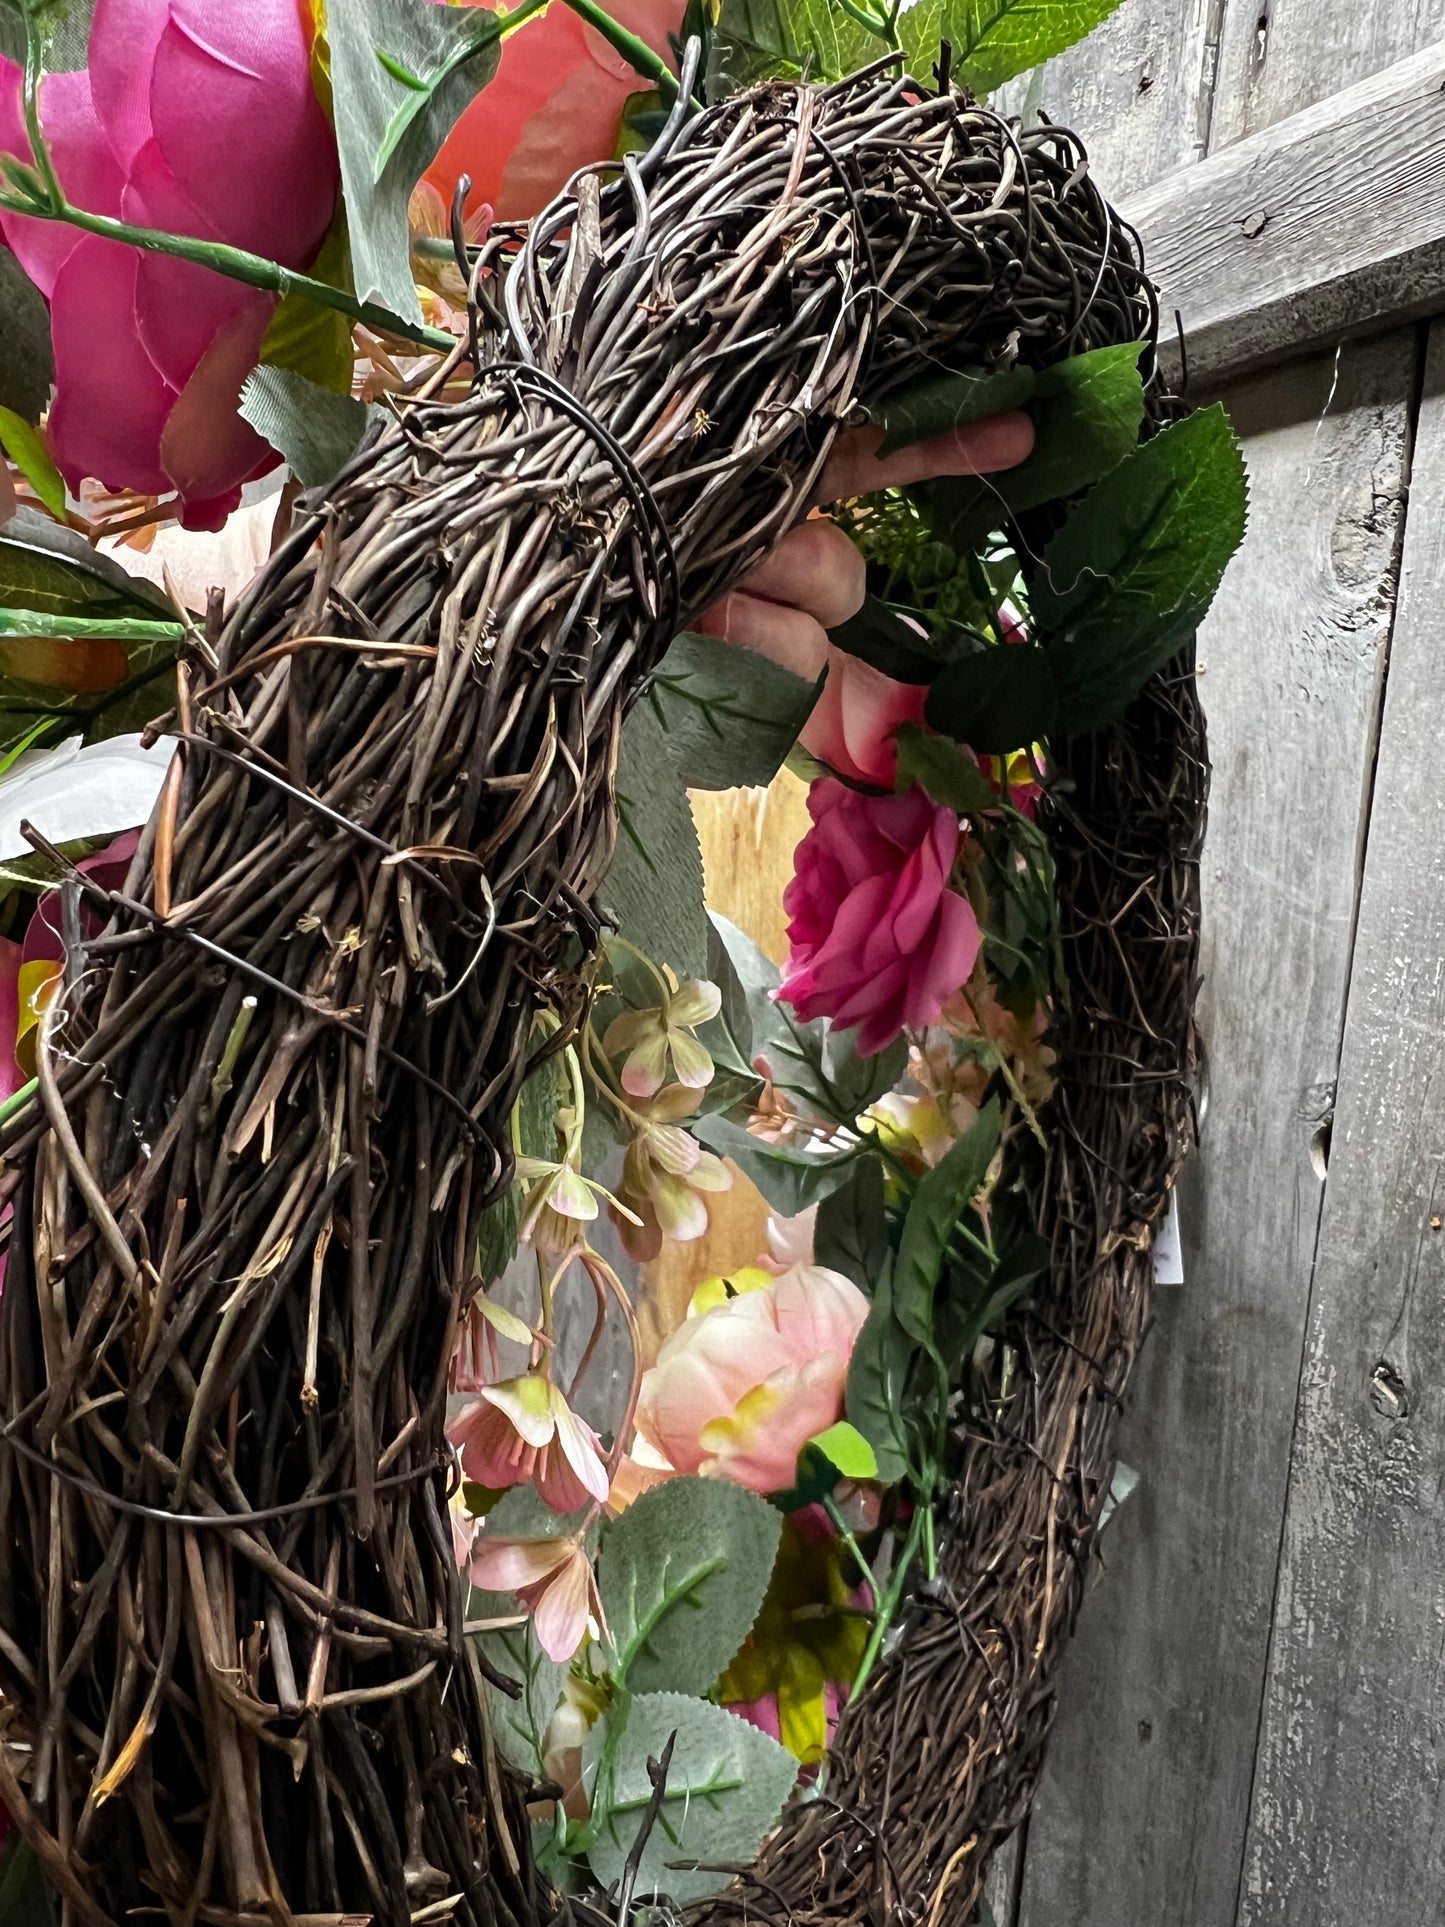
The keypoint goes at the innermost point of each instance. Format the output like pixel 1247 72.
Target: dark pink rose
pixel 852 724
pixel 877 938
pixel 202 120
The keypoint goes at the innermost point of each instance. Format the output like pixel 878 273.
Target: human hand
pixel 814 579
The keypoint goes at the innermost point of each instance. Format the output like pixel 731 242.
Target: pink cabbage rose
pixel 852 724
pixel 739 1390
pixel 556 103
pixel 202 120
pixel 876 936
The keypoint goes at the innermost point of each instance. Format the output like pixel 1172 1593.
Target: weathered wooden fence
pixel 1253 1726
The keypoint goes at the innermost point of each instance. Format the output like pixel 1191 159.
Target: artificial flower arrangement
pixel 670 1608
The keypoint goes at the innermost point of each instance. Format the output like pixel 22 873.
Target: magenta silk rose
pixel 877 938
pixel 739 1390
pixel 203 120
pixel 853 721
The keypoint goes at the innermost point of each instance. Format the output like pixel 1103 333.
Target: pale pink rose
pixel 556 103
pixel 202 120
pixel 554 1579
pixel 853 722
pixel 877 938
pixel 522 1431
pixel 739 1390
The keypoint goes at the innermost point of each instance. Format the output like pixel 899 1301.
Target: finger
pixel 787 636
pixel 814 568
pixel 983 448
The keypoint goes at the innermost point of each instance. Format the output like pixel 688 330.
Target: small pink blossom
pixel 877 937
pixel 853 722
pixel 523 1431
pixel 554 1580
pixel 738 1390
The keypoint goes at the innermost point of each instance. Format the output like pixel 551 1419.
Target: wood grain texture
pixel 1328 224
pixel 1278 56
pixel 1350 1784
pixel 1143 1812
pixel 1138 90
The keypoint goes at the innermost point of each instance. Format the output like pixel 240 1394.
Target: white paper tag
pixel 1168 1256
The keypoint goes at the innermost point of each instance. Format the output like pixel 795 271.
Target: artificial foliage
pixel 326 1601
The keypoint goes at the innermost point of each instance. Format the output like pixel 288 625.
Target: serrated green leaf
pixel 682 1576
pixel 945 402
pixel 23 445
pixel 315 430
pixel 1132 572
pixel 940 1200
pixel 654 888
pixel 726 1785
pixel 785 40
pixel 878 1381
pixel 850 1232
pixel 730 715
pixel 519 1725
pixel 845 1447
pixel 993 40
pixel 304 336
pixel 948 773
pixel 998 700
pixel 1086 411
pixel 388 129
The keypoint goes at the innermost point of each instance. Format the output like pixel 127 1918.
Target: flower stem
pixel 888 1605
pixel 636 52
pixel 845 1534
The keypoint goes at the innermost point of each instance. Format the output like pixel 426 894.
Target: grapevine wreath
pixel 325 1602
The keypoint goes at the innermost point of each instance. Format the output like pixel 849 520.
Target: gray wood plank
pixel 1350 1794
pixel 1278 56
pixel 1137 90
pixel 1329 223
pixel 1142 1818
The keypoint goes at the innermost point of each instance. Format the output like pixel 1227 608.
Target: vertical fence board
pixel 1346 1824
pixel 1143 1812
pixel 1138 90
pixel 1277 56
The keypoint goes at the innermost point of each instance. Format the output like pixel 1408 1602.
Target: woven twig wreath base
pixel 274 1090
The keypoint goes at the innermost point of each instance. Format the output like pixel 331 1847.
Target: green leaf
pixel 945 402
pixel 943 1195
pixel 24 1901
pixel 314 429
pixel 785 39
pixel 850 1233
pixel 878 1382
pixel 304 336
pixel 845 1447
pixel 788 1178
pixel 654 888
pixel 997 700
pixel 23 445
pixel 682 1577
pixel 1131 574
pixel 879 636
pixel 726 1786
pixel 730 714
pixel 26 367
pixel 55 588
pixel 519 1726
pixel 993 40
pixel 389 128
pixel 961 1327
pixel 1087 412
pixel 948 773
pixel 64 29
